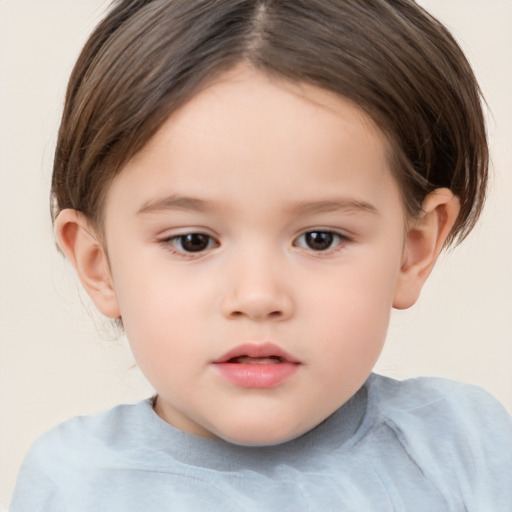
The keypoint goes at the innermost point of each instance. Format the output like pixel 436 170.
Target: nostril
pixel 257 305
pixel 271 314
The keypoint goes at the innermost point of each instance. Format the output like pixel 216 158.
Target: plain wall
pixel 59 359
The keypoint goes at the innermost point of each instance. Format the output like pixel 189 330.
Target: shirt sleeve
pixel 488 431
pixel 36 490
pixel 461 438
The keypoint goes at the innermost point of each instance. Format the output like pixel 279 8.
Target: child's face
pixel 261 220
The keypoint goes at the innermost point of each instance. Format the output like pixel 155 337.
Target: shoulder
pixel 63 455
pixel 457 434
pixel 85 433
pixel 464 403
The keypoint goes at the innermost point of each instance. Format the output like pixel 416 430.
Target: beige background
pixel 58 359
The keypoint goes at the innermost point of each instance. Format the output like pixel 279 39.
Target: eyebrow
pixel 332 205
pixel 177 202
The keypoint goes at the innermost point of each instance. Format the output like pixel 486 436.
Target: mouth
pixel 256 360
pixel 256 353
pixel 259 366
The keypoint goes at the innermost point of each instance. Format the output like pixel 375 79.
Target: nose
pixel 257 289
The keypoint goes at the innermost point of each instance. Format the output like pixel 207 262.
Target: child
pixel 248 187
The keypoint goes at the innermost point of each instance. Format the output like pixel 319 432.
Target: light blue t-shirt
pixel 420 445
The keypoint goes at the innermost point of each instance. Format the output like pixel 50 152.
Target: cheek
pixel 159 308
pixel 165 337
pixel 354 309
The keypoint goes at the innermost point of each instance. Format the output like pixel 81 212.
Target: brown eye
pixel 320 240
pixel 192 242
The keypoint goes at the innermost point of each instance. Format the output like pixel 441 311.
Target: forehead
pixel 248 131
pixel 261 100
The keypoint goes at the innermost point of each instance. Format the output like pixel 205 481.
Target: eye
pixel 320 240
pixel 190 242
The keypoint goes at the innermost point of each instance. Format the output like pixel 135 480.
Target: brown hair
pixel 390 57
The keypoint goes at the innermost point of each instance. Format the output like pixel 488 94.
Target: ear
pixel 426 236
pixel 81 245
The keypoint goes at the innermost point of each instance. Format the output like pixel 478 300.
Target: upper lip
pixel 260 350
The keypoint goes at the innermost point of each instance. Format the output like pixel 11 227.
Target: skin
pixel 256 165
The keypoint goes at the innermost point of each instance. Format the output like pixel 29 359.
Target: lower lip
pixel 260 376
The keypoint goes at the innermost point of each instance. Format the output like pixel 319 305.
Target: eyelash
pixel 171 243
pixel 333 235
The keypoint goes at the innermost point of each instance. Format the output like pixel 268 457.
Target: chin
pixel 258 434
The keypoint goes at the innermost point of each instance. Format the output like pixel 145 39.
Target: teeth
pixel 257 360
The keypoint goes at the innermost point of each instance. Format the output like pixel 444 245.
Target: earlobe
pixel 426 236
pixel 82 247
